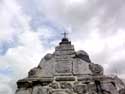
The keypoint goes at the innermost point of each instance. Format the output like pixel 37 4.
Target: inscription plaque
pixel 63 67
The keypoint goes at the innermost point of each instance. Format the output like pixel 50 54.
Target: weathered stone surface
pixel 62 92
pixel 109 87
pixel 81 67
pixel 80 89
pixel 92 89
pixel 83 55
pixel 122 91
pixel 63 67
pixel 118 82
pixel 34 72
pixel 24 91
pixel 40 90
pixel 65 85
pixel 96 69
pixel 69 72
pixel 47 68
pixel 54 85
pixel 48 57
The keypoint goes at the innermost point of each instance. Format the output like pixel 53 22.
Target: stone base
pixel 69 85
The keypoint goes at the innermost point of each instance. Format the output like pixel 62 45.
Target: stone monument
pixel 67 71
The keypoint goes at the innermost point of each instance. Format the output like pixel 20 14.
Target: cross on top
pixel 65 34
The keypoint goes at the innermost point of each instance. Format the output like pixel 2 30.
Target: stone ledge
pixel 29 82
pixel 36 79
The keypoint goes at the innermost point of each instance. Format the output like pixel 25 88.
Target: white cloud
pixel 13 21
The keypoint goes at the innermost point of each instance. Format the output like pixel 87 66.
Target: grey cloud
pixel 109 14
pixel 117 67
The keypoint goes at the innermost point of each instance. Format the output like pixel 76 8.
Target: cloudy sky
pixel 31 28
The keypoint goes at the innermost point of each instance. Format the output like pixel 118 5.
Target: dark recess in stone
pixel 65 79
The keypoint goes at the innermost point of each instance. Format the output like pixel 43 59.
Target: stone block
pixel 54 85
pixel 96 69
pixel 65 85
pixel 40 90
pixel 80 89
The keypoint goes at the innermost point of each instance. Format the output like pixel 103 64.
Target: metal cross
pixel 65 34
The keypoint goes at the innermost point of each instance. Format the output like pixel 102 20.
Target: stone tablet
pixel 81 67
pixel 63 68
